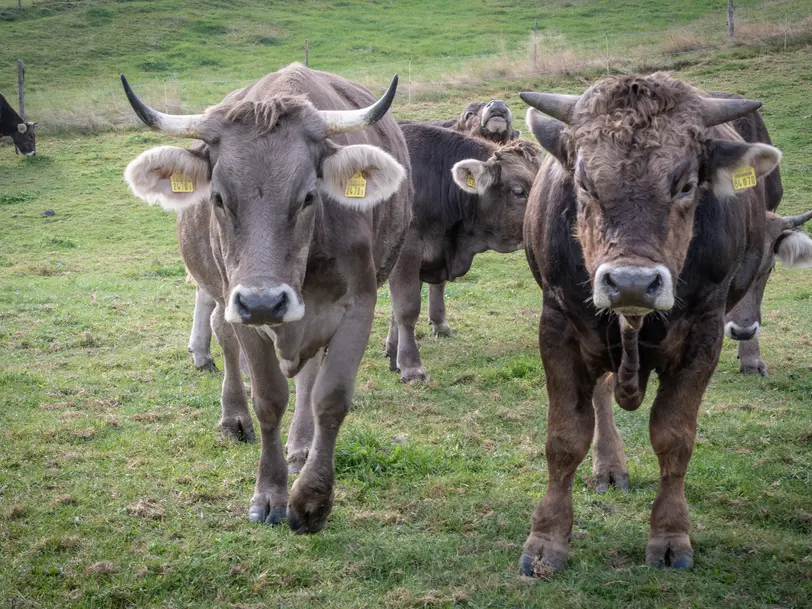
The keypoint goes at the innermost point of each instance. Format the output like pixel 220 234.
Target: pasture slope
pixel 117 491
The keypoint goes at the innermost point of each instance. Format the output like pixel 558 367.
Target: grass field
pixel 117 491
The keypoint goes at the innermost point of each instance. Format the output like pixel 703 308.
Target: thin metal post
pixel 730 8
pixel 410 81
pixel 535 43
pixel 607 54
pixel 307 54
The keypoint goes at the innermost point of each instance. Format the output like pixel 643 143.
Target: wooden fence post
pixel 535 43
pixel 730 19
pixel 20 88
pixel 20 4
pixel 307 55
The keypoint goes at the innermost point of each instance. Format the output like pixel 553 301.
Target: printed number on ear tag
pixel 744 177
pixel 356 186
pixel 181 183
pixel 471 181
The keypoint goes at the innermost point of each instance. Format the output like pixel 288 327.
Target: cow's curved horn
pixel 557 105
pixel 718 111
pixel 796 221
pixel 181 125
pixel 340 121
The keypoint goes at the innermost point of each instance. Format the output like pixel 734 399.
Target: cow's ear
pixel 728 160
pixel 794 249
pixel 474 176
pixel 549 132
pixel 22 127
pixel 360 176
pixel 173 177
pixel 33 124
pixel 515 134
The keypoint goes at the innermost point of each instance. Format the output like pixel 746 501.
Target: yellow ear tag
pixel 181 183
pixel 356 186
pixel 471 181
pixel 744 177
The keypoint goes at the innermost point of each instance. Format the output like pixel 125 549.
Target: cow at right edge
pixel 645 226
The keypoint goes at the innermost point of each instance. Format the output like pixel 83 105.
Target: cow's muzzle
pixel 495 116
pixel 737 332
pixel 633 290
pixel 263 306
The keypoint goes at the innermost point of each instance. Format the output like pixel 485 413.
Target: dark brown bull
pixel 21 132
pixel 290 222
pixel 640 243
pixel 491 120
pixel 452 223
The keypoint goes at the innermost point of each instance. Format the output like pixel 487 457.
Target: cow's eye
pixel 688 189
pixel 518 191
pixel 217 200
pixel 308 200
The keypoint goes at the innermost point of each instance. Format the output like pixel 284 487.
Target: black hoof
pixel 684 562
pixel 277 516
pixel 526 564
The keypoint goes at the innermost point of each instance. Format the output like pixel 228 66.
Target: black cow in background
pixel 12 125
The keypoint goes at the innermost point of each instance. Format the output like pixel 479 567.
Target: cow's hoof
pixel 614 476
pixel 308 506
pixel 413 375
pixel 261 512
pixel 207 366
pixel 755 368
pixel 541 568
pixel 673 552
pixel 296 461
pixel 441 329
pixel 239 428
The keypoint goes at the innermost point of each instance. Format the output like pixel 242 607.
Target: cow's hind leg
pixel 608 460
pixel 235 421
pixel 439 323
pixel 570 424
pixel 750 361
pixel 672 426
pixel 311 498
pixel 269 393
pixel 200 338
pixel 404 284
pixel 300 435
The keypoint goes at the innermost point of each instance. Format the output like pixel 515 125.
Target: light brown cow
pixel 290 221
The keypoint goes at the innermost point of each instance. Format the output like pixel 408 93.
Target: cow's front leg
pixel 672 426
pixel 300 435
pixel 404 285
pixel 235 420
pixel 311 498
pixel 608 460
pixel 570 424
pixel 750 361
pixel 269 393
pixel 200 338
pixel 439 324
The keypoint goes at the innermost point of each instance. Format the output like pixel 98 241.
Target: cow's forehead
pixel 255 118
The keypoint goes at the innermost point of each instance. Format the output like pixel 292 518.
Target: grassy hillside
pixel 188 54
pixel 116 490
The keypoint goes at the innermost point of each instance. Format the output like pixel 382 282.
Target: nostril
pixel 655 286
pixel 609 282
pixel 281 304
pixel 242 306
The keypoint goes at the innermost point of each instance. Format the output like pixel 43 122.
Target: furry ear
pixel 150 177
pixel 726 156
pixel 794 249
pixel 473 176
pixel 22 127
pixel 360 176
pixel 549 132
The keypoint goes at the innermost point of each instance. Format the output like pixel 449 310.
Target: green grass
pixel 186 55
pixel 117 491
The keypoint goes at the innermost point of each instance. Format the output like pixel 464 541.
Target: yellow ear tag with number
pixel 471 181
pixel 744 177
pixel 356 186
pixel 181 183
